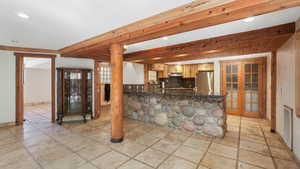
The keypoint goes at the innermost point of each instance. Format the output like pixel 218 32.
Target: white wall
pixel 37 85
pixel 7 87
pixel 269 91
pixel 286 89
pixel 133 73
pixel 74 62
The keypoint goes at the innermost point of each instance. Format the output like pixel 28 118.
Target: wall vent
pixel 288 134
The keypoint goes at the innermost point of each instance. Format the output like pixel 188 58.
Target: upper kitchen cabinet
pixel 194 70
pixel 206 67
pixel 187 71
pixel 175 69
pixel 158 67
pixel 164 72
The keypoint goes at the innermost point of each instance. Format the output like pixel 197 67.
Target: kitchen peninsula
pixel 202 114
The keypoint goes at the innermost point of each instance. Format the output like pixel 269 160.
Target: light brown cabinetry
pixel 164 73
pixel 158 67
pixel 194 70
pixel 188 70
pixel 175 69
pixel 206 67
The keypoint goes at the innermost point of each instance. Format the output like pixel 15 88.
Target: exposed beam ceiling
pixel 263 40
pixel 34 50
pixel 195 15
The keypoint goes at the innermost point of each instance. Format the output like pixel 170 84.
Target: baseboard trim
pixel 116 140
pixel 36 103
pixel 291 151
pixel 7 124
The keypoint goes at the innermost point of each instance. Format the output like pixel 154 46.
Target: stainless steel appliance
pixel 205 82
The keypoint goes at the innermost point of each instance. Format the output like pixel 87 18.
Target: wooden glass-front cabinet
pixel 74 93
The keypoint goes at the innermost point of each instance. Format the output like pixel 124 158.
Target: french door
pixel 244 84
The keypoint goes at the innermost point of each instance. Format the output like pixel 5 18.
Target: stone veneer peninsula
pixel 200 114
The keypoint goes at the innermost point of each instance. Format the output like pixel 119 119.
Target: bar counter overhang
pixel 190 111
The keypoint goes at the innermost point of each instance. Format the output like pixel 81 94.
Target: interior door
pixel 232 87
pixel 243 83
pixel 254 89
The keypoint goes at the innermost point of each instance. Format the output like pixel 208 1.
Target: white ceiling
pixel 37 63
pixel 262 21
pixel 58 23
pixel 54 24
pixel 221 59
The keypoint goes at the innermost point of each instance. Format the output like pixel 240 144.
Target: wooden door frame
pixel 97 91
pixel 262 59
pixel 273 90
pixel 223 86
pixel 20 88
pixel 97 85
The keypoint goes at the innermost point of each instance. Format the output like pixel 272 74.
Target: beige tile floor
pixel 40 144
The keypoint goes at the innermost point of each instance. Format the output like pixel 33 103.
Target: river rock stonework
pixel 204 115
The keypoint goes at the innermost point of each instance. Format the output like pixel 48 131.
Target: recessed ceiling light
pixel 15 41
pixel 165 38
pixel 136 61
pixel 157 58
pixel 181 55
pixel 23 15
pixel 249 19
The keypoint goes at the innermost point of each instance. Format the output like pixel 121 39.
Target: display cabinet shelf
pixel 74 93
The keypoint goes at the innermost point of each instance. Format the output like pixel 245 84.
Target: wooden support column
pixel 146 77
pixel 297 71
pixel 117 93
pixel 273 91
pixel 97 91
pixel 19 89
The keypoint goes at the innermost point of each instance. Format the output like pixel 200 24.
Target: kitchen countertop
pixel 181 88
pixel 191 95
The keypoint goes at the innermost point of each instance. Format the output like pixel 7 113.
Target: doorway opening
pixel 103 90
pixel 35 88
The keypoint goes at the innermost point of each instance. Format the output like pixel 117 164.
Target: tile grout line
pixel 148 147
pixel 29 153
pixel 239 145
pixel 269 148
pixel 211 142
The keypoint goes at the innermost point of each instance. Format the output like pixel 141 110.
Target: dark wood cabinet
pixel 74 93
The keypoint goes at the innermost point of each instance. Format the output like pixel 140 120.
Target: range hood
pixel 175 74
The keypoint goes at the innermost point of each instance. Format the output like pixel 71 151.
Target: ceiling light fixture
pixel 136 61
pixel 181 55
pixel 165 38
pixel 157 58
pixel 249 19
pixel 23 15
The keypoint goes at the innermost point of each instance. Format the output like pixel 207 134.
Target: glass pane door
pixel 90 92
pixel 73 93
pixel 251 89
pixel 232 88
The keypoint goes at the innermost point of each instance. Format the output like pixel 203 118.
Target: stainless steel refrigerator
pixel 205 82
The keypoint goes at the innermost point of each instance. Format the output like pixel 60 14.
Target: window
pixel 105 74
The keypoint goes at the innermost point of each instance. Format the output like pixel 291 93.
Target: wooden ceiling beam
pixel 32 50
pixel 195 15
pixel 261 46
pixel 232 52
pixel 219 43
